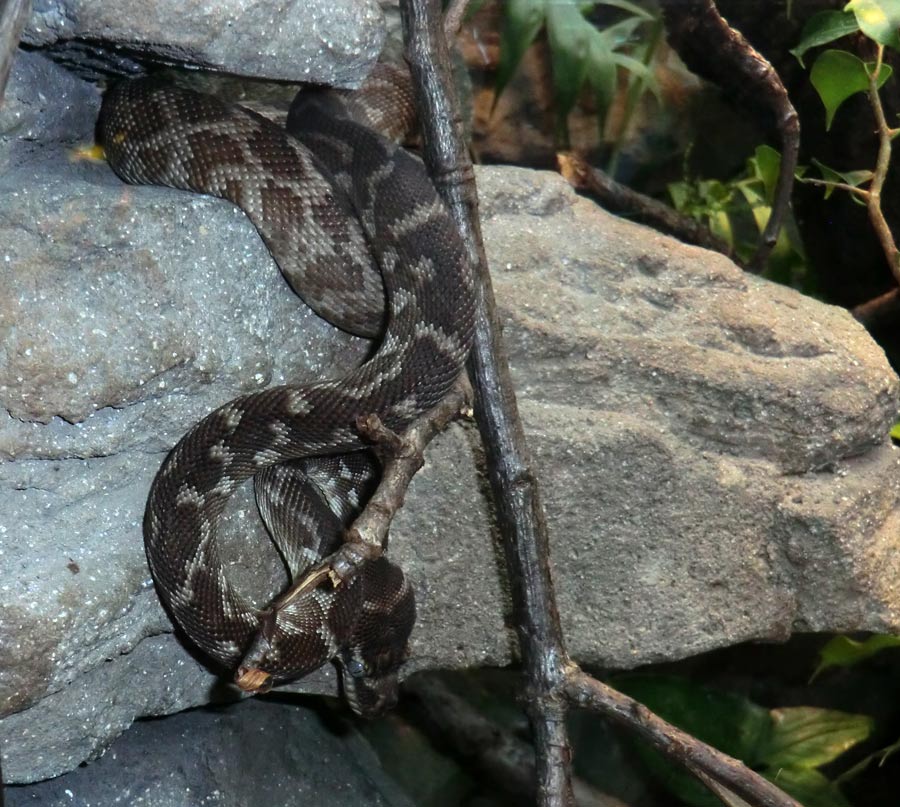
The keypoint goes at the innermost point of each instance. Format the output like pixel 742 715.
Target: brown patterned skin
pixel 331 210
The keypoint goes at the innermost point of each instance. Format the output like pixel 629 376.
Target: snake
pixel 360 233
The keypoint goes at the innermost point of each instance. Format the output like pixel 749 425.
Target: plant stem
pixel 862 193
pixel 876 216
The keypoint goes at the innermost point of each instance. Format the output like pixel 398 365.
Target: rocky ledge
pixel 712 448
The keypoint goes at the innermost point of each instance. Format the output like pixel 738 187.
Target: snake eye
pixel 356 668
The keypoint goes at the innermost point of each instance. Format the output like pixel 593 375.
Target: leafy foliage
pixel 579 53
pixel 878 20
pixel 837 75
pixel 852 178
pixel 822 28
pixel 788 746
pixel 737 210
pixel 842 651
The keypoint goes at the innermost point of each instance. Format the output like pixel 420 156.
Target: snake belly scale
pixel 330 208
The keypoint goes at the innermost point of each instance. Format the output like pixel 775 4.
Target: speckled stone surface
pixel 712 448
pixel 257 753
pixel 330 42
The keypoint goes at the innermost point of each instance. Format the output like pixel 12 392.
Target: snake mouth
pixel 249 676
pixel 253 679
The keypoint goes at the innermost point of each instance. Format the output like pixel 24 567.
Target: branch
pixel 553 681
pixel 714 50
pixel 862 193
pixel 879 310
pixel 519 512
pixel 873 201
pixel 401 458
pixel 700 759
pixel 453 18
pixel 13 16
pixel 617 197
pixel 498 755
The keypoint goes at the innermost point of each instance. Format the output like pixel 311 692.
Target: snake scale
pixel 343 210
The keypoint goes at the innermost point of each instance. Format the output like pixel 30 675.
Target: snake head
pixel 251 676
pixel 368 693
pixel 379 645
pixel 363 626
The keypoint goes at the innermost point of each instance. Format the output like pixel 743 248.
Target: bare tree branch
pixel 714 50
pixel 681 747
pixel 873 199
pixel 498 755
pixel 453 18
pixel 519 511
pixel 617 197
pixel 553 681
pixel 401 460
pixel 879 310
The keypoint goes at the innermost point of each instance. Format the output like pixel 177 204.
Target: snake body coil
pixel 331 210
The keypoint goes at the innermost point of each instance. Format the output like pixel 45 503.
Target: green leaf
pixel 765 165
pixel 895 431
pixel 578 51
pixel 880 756
pixel 824 27
pixel 521 23
pixel 602 74
pixel 619 33
pixel 569 34
pixel 719 221
pixel 842 651
pixel 807 737
pixel 878 20
pixel 758 207
pixel 681 194
pixel 837 75
pixel 634 66
pixel 809 787
pixel 854 178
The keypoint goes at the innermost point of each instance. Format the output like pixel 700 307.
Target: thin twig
pixel 453 18
pixel 498 754
pixel 876 215
pixel 697 757
pixel 620 198
pixel 879 310
pixel 402 463
pixel 714 50
pixel 13 16
pixel 862 193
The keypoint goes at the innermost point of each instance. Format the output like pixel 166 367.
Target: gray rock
pixel 43 104
pixel 203 757
pixel 323 41
pixel 712 448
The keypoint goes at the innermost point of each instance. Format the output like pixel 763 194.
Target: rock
pixel 712 448
pixel 203 757
pixel 330 42
pixel 43 104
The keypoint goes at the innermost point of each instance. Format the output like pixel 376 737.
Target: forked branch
pixel 554 683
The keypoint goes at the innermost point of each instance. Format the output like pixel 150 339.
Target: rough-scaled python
pixel 336 204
